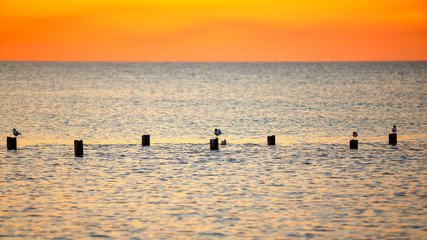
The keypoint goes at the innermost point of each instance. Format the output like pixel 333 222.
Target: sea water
pixel 309 185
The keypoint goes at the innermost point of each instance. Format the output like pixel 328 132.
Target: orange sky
pixel 213 30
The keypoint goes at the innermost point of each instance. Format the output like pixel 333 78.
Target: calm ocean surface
pixel 310 185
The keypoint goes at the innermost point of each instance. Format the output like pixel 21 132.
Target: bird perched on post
pixel 15 132
pixel 217 132
pixel 355 134
pixel 394 129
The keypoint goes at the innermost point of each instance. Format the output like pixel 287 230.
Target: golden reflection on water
pixel 215 199
pixel 310 185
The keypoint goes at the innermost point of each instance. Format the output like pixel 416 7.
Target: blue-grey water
pixel 310 185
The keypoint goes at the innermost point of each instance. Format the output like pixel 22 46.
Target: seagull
pixel 217 132
pixel 394 129
pixel 355 134
pixel 15 132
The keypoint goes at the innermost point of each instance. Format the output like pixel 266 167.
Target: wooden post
pixel 271 140
pixel 78 148
pixel 214 144
pixel 145 140
pixel 11 143
pixel 354 144
pixel 392 138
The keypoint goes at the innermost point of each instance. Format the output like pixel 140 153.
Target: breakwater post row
pixel 214 144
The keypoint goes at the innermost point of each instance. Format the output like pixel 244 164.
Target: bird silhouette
pixel 15 132
pixel 355 134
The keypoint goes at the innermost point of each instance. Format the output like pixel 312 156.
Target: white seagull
pixel 394 129
pixel 15 132
pixel 217 132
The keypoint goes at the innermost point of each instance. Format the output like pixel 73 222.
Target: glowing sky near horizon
pixel 234 30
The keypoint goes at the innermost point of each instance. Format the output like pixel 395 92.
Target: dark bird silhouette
pixel 355 134
pixel 15 132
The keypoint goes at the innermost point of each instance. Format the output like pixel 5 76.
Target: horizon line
pixel 110 61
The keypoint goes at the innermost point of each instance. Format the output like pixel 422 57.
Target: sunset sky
pixel 213 30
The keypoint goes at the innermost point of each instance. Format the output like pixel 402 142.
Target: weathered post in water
pixel 214 144
pixel 11 143
pixel 145 140
pixel 354 144
pixel 392 138
pixel 78 148
pixel 271 140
